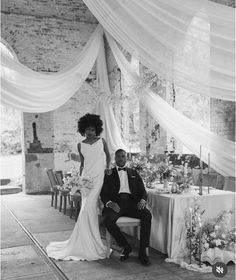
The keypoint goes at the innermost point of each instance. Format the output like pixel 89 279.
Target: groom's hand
pixel 142 204
pixel 108 171
pixel 114 206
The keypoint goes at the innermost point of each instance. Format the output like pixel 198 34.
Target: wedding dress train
pixel 85 241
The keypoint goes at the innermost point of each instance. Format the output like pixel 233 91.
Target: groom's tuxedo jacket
pixel 111 186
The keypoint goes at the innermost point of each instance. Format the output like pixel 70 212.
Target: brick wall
pixel 222 115
pixel 46 35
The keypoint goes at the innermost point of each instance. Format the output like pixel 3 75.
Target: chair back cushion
pixel 128 221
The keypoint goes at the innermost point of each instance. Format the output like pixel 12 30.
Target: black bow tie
pixel 122 168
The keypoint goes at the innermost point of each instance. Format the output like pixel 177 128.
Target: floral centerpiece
pixel 214 234
pixel 163 172
pixel 182 176
pixel 145 166
pixel 76 183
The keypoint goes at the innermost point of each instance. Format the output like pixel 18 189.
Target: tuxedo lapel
pixel 116 178
pixel 129 180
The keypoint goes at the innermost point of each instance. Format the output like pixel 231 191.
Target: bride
pixel 85 241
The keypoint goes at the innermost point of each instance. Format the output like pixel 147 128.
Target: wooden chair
pixel 123 222
pixel 63 193
pixel 229 184
pixel 75 205
pixel 54 187
pixel 212 180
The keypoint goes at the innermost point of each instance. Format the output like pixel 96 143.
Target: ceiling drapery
pixel 103 108
pixel 155 32
pixel 188 132
pixel 30 91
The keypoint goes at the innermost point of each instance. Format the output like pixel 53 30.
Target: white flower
pixel 206 245
pixel 74 189
pixel 217 242
pixel 216 227
pixel 213 234
pixel 223 235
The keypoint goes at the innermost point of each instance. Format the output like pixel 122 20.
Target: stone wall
pixel 222 116
pixel 45 36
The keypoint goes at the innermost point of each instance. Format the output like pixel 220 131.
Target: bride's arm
pixel 81 159
pixel 108 157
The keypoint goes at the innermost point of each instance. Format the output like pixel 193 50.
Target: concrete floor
pixel 22 257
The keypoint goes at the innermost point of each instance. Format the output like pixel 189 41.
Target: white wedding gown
pixel 85 241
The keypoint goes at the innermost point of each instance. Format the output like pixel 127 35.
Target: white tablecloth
pixel 168 230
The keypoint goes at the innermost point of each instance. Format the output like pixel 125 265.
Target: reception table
pixel 168 233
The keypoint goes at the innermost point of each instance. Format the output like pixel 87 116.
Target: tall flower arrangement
pixel 214 233
pixel 145 166
pixel 193 218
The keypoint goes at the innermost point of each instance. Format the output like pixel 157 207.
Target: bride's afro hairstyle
pixel 90 120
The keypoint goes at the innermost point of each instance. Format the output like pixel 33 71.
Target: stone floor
pixel 29 223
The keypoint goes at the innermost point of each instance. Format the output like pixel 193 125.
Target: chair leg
pixel 52 199
pixel 65 198
pixel 71 208
pixel 136 235
pixel 56 195
pixel 60 205
pixel 108 240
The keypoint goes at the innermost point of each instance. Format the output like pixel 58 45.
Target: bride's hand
pixel 108 171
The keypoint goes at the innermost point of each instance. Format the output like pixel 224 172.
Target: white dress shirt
pixel 124 183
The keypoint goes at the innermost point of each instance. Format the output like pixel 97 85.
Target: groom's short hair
pixel 119 151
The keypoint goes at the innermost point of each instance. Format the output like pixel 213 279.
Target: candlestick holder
pixel 200 184
pixel 208 182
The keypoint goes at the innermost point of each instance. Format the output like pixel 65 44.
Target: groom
pixel 123 194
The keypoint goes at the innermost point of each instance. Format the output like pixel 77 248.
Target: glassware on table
pixel 174 187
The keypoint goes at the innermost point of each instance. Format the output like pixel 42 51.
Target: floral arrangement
pixel 214 233
pixel 76 183
pixel 217 232
pixel 166 170
pixel 193 219
pixel 183 177
pixel 72 180
pixel 145 166
pixel 151 171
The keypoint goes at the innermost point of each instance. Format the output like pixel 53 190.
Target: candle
pixel 200 183
pixel 208 162
pixel 200 156
pixel 208 185
pixel 185 168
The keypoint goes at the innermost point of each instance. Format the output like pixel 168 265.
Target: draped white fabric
pixel 156 32
pixel 222 151
pixel 30 91
pixel 103 108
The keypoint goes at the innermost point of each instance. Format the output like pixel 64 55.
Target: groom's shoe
pixel 144 259
pixel 125 253
pixel 143 256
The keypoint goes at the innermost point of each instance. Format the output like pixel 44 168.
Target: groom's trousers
pixel 128 207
